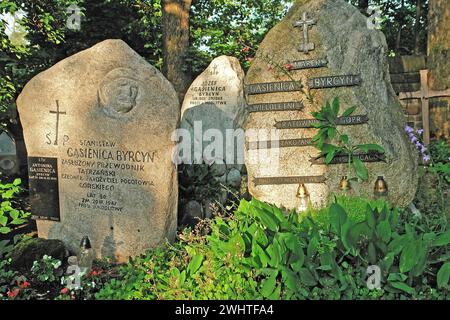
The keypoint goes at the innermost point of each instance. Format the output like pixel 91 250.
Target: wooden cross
pixel 57 112
pixel 424 95
pixel 305 23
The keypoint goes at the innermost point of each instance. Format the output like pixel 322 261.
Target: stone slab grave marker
pixel 213 104
pixel 349 61
pixel 97 128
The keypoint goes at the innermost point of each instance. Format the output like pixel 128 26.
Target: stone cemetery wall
pixel 326 47
pixel 97 127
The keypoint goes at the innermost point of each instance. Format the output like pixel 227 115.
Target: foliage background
pixel 41 37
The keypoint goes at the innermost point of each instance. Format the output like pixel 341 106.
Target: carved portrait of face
pixel 119 92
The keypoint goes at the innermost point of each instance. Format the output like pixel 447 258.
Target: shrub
pixel 264 252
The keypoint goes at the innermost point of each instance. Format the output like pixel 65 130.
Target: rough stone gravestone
pixel 215 105
pixel 212 115
pixel 345 59
pixel 98 127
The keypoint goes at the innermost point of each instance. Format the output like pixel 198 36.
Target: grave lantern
pixel 303 198
pixel 380 188
pixel 86 255
pixel 344 185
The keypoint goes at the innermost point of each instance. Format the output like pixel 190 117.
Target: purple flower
pixel 409 129
pixel 419 145
pixel 423 149
pixel 420 131
pixel 413 139
pixel 426 158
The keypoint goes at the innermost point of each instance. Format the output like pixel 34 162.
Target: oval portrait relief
pixel 119 92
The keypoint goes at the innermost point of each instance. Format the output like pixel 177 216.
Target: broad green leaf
pixel 370 217
pixel 338 217
pixel 276 294
pixel 372 252
pixel 442 239
pixel 403 286
pixel 336 104
pixel 195 264
pixel 443 275
pixel 307 278
pixel 268 285
pixel 360 169
pixel 344 138
pixel 397 244
pixel 268 219
pixel 348 111
pixel 384 231
pixel 3 221
pixel 5 230
pixel 290 279
pixel 370 147
pixel 408 258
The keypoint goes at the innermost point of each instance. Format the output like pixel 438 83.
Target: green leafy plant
pixel 263 252
pixel 9 215
pixel 47 269
pixel 332 143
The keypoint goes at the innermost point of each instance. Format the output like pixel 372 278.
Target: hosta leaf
pixel 195 264
pixel 408 258
pixel 338 217
pixel 384 231
pixel 307 278
pixel 443 275
pixel 372 252
pixel 403 286
pixel 442 240
pixel 268 285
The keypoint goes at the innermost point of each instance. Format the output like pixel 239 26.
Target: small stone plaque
pixel 309 123
pixel 270 87
pixel 276 106
pixel 301 142
pixel 44 191
pixel 342 158
pixel 288 180
pixel 308 64
pixel 334 81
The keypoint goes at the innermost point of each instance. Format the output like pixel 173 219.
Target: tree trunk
pixel 417 27
pixel 175 21
pixel 439 44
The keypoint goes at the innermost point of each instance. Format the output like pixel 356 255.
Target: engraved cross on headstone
pixel 57 112
pixel 306 46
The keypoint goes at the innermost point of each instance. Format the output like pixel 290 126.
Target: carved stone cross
pixel 57 112
pixel 306 46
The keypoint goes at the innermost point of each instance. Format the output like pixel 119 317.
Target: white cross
pixel 305 23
